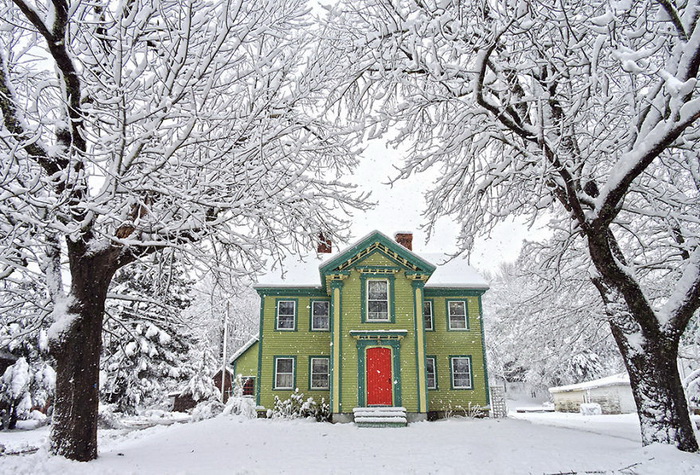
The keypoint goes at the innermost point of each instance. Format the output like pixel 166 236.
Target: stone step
pixel 380 416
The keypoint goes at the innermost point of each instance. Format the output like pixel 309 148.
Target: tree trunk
pixel 77 352
pixel 657 390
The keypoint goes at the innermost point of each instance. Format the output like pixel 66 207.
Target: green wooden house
pixel 376 329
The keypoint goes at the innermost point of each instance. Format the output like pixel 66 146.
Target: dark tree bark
pixel 77 352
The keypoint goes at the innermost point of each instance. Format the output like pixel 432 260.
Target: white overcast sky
pixel 399 208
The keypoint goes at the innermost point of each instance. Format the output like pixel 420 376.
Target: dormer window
pixel 377 300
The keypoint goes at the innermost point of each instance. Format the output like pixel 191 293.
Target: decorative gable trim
pixel 377 242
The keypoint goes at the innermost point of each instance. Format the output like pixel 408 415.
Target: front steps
pixel 380 416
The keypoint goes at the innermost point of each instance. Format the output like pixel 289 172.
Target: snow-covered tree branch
pixel 588 111
pixel 135 126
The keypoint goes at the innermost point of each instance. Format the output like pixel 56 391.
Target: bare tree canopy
pixel 584 109
pixel 133 126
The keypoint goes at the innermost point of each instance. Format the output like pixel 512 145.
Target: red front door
pixel 379 379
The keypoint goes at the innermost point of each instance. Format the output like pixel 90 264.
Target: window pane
pixel 320 309
pixel 285 321
pixel 460 365
pixel 378 289
pixel 285 365
pixel 284 381
pixel 457 308
pixel 285 307
pixel 457 321
pixel 320 365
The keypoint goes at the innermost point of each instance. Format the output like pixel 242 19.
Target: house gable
pixel 375 253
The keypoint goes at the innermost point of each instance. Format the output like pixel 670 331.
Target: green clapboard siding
pixel 443 343
pixel 247 363
pixel 406 381
pixel 301 344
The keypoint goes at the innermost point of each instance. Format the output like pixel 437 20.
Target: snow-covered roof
pixel 303 271
pixel 243 348
pixel 614 380
pixel 296 271
pixel 453 273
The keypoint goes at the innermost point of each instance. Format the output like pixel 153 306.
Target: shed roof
pixel 620 379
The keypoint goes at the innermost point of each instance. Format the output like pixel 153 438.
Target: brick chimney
pixel 325 246
pixel 405 239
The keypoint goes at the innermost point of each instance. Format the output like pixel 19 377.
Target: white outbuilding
pixel 613 393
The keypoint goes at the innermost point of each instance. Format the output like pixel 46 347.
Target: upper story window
pixel 428 314
pixel 457 310
pixel 377 300
pixel 286 315
pixel 320 311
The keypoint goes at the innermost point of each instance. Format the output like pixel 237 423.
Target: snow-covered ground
pixel 522 444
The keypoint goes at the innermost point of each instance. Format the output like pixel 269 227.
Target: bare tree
pixel 586 109
pixel 133 126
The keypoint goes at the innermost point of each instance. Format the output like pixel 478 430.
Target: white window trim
pixel 388 301
pixel 328 316
pixel 466 316
pixel 435 386
pixel 452 371
pixel 277 359
pixel 294 316
pixel 311 371
pixel 432 317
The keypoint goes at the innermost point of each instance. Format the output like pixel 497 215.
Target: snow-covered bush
pixel 238 404
pixel 473 411
pixel 107 418
pixel 207 410
pixel 297 407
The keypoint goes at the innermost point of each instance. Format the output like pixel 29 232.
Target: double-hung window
pixel 286 314
pixel 457 310
pixel 320 311
pixel 461 372
pixel 431 372
pixel 284 373
pixel 428 314
pixel 377 300
pixel 319 373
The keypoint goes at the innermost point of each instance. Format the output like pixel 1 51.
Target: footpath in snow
pixel 522 444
